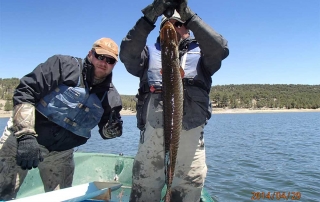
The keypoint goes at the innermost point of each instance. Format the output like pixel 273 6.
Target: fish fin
pixel 181 72
pixel 161 71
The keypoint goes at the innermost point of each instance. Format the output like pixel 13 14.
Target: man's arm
pixel 214 47
pixel 35 85
pixel 133 52
pixel 46 77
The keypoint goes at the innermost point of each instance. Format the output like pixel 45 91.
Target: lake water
pixel 246 154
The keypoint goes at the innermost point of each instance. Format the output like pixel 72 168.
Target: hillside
pixel 259 96
pixel 266 96
pixel 245 96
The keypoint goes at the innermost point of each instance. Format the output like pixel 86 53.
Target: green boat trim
pixel 95 167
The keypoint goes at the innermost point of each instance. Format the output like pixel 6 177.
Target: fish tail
pixel 167 197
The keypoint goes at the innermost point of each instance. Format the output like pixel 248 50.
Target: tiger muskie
pixel 172 92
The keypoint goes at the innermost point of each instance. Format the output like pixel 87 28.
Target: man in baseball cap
pixel 54 109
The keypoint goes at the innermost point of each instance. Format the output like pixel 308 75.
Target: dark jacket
pixel 135 56
pixel 60 69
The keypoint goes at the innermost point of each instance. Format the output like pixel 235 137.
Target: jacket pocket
pixel 196 107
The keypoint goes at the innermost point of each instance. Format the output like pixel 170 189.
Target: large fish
pixel 172 92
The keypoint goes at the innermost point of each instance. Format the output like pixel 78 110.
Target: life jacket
pixel 188 62
pixel 73 108
pixel 196 101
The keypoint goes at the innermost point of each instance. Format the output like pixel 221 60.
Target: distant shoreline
pixel 7 114
pixel 242 111
pixel 264 110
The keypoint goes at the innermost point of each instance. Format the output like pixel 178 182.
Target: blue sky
pixel 270 41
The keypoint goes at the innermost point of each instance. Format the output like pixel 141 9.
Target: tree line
pixel 256 96
pixel 7 87
pixel 248 96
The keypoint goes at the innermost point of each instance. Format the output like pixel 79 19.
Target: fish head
pixel 168 34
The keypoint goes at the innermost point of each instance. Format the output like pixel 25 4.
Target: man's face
pixel 181 30
pixel 102 64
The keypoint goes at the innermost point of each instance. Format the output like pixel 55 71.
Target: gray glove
pixel 185 12
pixel 112 129
pixel 28 153
pixel 157 8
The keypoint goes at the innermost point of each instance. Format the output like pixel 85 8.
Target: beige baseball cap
pixel 106 46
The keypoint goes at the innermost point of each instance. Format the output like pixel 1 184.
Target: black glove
pixel 185 12
pixel 112 129
pixel 28 154
pixel 157 8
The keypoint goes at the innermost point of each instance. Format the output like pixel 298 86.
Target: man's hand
pixel 28 153
pixel 112 130
pixel 185 12
pixel 157 8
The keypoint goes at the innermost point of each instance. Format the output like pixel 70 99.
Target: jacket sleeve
pixel 133 51
pixel 113 108
pixel 214 48
pixel 46 77
pixel 114 100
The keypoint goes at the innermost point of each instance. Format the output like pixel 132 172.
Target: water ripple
pixel 272 152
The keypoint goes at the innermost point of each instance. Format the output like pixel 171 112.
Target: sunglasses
pixel 102 57
pixel 178 24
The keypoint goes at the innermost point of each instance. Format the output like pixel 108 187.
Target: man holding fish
pixel 173 99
